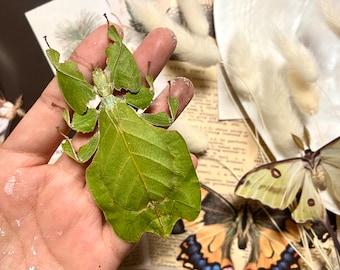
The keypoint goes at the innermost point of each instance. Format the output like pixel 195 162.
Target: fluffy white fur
pixel 196 49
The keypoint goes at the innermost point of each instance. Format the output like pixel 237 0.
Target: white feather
pixel 194 16
pixel 196 49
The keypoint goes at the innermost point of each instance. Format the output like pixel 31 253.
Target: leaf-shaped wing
pixel 275 184
pixel 85 152
pixel 140 100
pixel 81 122
pixel 146 189
pixel 124 70
pixel 76 90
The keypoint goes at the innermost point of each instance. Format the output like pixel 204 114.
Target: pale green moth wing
pixel 330 157
pixel 141 176
pixel 83 123
pixel 76 90
pixel 310 206
pixel 275 184
pixel 124 70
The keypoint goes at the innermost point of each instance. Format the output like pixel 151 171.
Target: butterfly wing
pixel 275 184
pixel 221 223
pixel 289 259
pixel 218 232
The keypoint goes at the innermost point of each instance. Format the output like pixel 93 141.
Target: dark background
pixel 23 67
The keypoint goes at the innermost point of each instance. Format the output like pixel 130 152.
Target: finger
pixel 155 51
pixel 150 56
pixel 37 134
pixel 181 88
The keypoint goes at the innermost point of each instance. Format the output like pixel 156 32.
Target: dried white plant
pixel 301 70
pixel 191 47
pixel 330 10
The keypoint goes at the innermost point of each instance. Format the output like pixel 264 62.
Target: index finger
pixel 36 135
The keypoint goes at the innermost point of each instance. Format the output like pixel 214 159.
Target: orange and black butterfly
pixel 224 228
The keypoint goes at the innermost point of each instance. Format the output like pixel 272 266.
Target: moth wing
pixel 275 184
pixel 330 164
pixel 310 206
pixel 329 202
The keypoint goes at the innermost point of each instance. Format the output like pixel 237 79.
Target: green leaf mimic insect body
pixel 141 175
pixel 147 192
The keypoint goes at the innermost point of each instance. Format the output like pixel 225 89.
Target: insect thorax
pixel 312 162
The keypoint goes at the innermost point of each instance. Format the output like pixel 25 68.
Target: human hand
pixel 48 218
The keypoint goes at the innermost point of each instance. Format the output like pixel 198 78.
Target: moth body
pixel 311 162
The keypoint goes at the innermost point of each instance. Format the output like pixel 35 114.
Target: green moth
pixel 298 182
pixel 140 175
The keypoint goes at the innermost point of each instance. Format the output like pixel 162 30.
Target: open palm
pixel 48 218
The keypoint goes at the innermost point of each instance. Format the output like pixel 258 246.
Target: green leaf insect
pixel 140 175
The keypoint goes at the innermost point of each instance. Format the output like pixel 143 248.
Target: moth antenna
pixel 306 136
pixel 299 143
pixel 196 49
pixel 194 16
pixel 330 10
